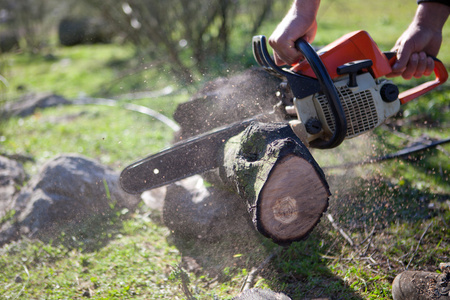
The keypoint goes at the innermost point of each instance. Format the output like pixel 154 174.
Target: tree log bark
pixel 285 189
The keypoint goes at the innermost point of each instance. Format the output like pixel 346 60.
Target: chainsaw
pixel 349 96
pixel 336 93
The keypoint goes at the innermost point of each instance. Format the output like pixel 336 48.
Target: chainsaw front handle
pixel 439 71
pixel 303 86
pixel 328 88
pixel 441 76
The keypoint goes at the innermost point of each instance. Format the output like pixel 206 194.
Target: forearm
pixel 431 15
pixel 306 8
pixel 301 11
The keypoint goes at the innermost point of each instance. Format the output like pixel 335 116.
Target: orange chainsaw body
pixel 353 46
pixel 359 45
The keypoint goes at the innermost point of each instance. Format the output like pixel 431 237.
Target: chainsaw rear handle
pixel 439 71
pixel 328 88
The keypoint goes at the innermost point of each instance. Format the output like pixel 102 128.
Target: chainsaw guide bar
pixel 184 159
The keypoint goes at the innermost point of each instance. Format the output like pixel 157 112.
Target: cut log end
pixel 292 200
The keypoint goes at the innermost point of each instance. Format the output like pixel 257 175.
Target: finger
pixel 411 66
pixel 421 65
pixel 278 60
pixel 403 55
pixel 289 56
pixel 281 60
pixel 283 52
pixel 394 74
pixel 430 67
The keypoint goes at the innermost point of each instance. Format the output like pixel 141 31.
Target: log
pixel 269 171
pixel 272 170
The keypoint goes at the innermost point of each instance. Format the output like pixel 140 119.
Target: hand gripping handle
pixel 303 86
pixel 441 76
pixel 328 88
pixel 439 71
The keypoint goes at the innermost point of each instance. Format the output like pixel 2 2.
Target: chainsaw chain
pixel 285 94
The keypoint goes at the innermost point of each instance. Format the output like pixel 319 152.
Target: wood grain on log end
pixel 292 200
pixel 274 172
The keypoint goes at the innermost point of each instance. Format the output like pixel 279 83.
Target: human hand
pixel 422 39
pixel 413 49
pixel 299 22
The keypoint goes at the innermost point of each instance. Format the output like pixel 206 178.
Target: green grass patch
pixel 113 135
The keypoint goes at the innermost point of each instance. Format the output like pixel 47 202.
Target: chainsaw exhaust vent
pixel 359 108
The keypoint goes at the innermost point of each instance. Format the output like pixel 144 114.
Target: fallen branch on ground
pixel 418 245
pixel 340 230
pixel 249 280
pixel 129 106
pixel 402 153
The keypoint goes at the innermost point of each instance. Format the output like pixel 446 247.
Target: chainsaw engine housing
pixel 366 106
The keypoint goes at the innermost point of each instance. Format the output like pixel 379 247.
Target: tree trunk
pixel 285 189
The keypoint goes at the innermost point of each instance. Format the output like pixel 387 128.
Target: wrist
pixel 432 15
pixel 306 7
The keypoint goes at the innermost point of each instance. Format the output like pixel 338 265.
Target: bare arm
pixel 299 22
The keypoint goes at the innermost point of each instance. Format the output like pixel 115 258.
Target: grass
pixel 109 142
pixel 395 212
pixel 128 266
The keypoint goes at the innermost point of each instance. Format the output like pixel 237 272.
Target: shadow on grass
pixel 298 270
pixel 91 235
pixel 323 265
pixel 381 202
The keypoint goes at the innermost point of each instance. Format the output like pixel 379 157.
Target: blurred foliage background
pixel 184 36
pixel 190 40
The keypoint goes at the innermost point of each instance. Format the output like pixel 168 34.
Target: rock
pixel 8 41
pixel 227 100
pixel 154 199
pixel 194 211
pixel 74 31
pixel 421 285
pixel 28 104
pixel 68 191
pixel 12 176
pixel 260 294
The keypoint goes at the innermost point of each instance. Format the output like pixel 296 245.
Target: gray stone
pixel 421 285
pixel 227 100
pixel 28 104
pixel 69 190
pixel 154 199
pixel 194 211
pixel 9 41
pixel 12 176
pixel 75 31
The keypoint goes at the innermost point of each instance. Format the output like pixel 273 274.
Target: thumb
pixel 403 54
